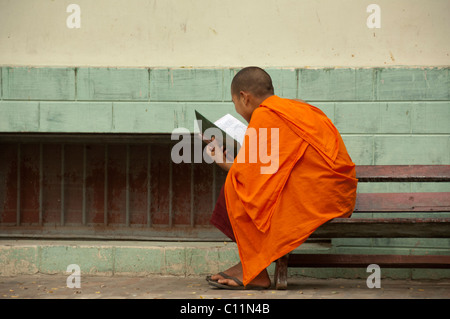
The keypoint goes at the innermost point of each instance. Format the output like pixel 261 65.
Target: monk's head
pixel 250 86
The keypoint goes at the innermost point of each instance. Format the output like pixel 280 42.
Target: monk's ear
pixel 245 96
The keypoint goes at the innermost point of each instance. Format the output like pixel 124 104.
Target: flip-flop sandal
pixel 224 275
pixel 240 285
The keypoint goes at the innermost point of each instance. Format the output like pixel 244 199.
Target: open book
pixel 232 131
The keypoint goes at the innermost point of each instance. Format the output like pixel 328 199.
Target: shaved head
pixel 253 80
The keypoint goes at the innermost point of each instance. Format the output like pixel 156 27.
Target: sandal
pixel 224 275
pixel 240 285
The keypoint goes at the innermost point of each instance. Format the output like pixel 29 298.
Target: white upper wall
pixel 225 33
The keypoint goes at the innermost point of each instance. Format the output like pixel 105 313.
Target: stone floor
pixel 42 286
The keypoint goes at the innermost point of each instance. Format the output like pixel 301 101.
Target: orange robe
pixel 272 214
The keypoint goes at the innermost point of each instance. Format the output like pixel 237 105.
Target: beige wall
pixel 220 33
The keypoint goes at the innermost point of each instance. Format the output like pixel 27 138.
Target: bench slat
pixel 384 261
pixel 403 202
pixel 384 228
pixel 403 173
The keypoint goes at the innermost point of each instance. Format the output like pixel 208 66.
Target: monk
pixel 270 212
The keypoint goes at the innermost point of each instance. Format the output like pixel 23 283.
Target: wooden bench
pixel 391 227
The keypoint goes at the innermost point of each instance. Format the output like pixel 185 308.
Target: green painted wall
pixel 385 115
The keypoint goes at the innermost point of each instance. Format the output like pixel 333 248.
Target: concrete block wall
pixel 385 115
pixel 112 258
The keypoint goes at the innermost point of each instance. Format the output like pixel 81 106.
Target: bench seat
pixel 384 215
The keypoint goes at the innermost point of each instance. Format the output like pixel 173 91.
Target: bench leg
pixel 281 266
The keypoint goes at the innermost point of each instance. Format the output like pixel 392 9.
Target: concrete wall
pixel 386 115
pixel 218 33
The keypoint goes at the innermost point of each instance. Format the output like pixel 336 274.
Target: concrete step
pixel 130 258
pixel 150 258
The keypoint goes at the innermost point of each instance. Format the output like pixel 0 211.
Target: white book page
pixel 232 126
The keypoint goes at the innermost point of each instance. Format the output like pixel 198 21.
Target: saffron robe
pixel 272 214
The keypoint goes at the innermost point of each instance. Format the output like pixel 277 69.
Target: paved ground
pixel 159 287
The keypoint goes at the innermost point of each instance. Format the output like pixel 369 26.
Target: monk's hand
pixel 216 151
pixel 204 139
pixel 211 146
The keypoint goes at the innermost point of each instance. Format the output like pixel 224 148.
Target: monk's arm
pixel 225 166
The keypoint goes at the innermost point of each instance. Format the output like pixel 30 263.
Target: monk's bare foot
pixel 262 280
pixel 232 272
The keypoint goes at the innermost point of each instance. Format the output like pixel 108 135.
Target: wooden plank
pixel 353 261
pixel 138 184
pixel 51 183
pixel 403 173
pixel 9 183
pixel 402 202
pixel 29 184
pixel 384 228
